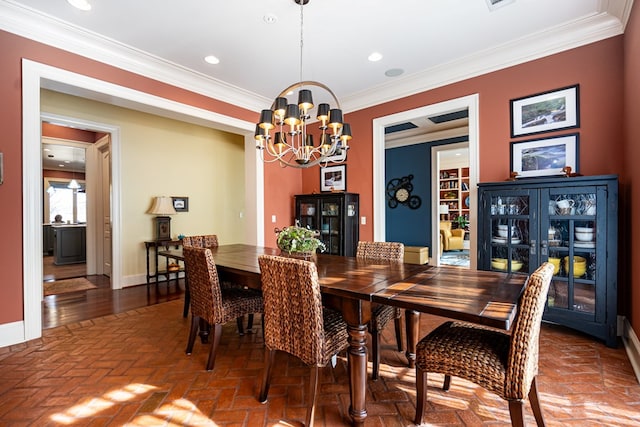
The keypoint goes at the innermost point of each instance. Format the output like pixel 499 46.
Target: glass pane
pixel 61 203
pixel 81 209
pixel 329 209
pixel 510 244
pixel 573 204
pixel 585 298
pixel 511 205
pixel 557 296
pixel 307 209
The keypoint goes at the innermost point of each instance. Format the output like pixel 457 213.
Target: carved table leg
pixel 357 355
pixel 412 319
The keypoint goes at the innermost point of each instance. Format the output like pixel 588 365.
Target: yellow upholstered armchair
pixel 451 239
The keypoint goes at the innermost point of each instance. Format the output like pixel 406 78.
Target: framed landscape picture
pixel 544 157
pixel 333 178
pixel 544 112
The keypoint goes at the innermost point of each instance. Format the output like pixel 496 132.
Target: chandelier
pixel 284 133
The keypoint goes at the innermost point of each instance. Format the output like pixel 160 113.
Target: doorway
pixel 79 151
pixel 36 76
pixel 470 103
pixel 450 169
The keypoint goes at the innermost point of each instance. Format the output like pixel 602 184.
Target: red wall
pixel 71 134
pixel 630 295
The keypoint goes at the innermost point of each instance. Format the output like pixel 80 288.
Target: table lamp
pixel 444 211
pixel 162 206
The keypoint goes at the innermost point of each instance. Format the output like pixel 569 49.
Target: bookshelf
pixel 454 191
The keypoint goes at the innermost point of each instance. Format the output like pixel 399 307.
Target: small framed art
pixel 544 157
pixel 180 204
pixel 544 112
pixel 333 178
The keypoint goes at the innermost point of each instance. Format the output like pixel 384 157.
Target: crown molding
pixel 31 24
pixel 610 21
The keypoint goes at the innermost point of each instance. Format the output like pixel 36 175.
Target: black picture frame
pixel 545 156
pixel 180 204
pixel 546 111
pixel 333 178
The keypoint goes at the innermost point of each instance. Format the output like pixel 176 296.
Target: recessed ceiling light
pixel 375 56
pixel 270 18
pixel 80 4
pixel 394 72
pixel 211 59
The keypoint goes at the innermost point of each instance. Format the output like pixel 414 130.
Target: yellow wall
pixel 161 156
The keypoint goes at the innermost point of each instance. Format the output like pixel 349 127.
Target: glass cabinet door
pixel 330 231
pixel 571 246
pixel 512 231
pixel 307 216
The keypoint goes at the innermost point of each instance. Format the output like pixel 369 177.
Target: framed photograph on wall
pixel 333 178
pixel 544 157
pixel 180 204
pixel 544 112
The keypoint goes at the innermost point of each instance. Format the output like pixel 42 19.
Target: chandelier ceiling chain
pixel 292 141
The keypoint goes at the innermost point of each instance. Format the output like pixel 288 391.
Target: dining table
pixel 353 285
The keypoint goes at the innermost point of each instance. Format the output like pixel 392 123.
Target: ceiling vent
pixel 456 115
pixel 399 127
pixel 495 4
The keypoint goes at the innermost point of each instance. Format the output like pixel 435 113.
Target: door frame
pixel 471 103
pixel 37 76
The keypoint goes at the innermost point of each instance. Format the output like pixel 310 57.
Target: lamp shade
pixel 162 206
pixel 444 209
pixel 305 100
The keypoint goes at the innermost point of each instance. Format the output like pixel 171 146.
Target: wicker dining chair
pixel 210 302
pixel 505 364
pixel 210 241
pixel 296 322
pixel 382 314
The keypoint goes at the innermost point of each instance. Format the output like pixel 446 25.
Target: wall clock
pixel 399 192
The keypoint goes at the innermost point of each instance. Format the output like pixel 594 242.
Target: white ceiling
pixel 434 42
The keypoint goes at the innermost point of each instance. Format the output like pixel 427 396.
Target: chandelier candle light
pixel 292 142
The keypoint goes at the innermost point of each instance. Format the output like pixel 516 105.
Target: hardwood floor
pixel 63 309
pixel 50 271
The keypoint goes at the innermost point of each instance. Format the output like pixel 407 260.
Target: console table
pixel 153 273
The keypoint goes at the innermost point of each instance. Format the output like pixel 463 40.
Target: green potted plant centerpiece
pixel 299 241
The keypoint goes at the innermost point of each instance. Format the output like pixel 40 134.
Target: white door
pixel 104 147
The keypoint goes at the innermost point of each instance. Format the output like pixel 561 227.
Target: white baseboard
pixel 138 279
pixel 12 333
pixel 632 346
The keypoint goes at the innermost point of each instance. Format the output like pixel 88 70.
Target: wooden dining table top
pixel 483 297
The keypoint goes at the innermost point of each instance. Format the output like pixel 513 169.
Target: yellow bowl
pixel 579 265
pixel 556 264
pixel 516 265
pixel 499 263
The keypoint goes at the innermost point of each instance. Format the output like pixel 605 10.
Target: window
pixel 70 204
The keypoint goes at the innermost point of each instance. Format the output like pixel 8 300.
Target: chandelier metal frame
pixel 292 142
